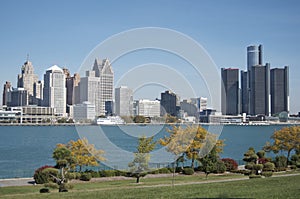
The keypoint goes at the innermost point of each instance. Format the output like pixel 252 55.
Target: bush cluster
pixel 86 176
pixel 230 164
pixel 188 171
pixel 41 175
pixel 267 173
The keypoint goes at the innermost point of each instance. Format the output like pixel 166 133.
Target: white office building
pixel 97 86
pixel 55 90
pixel 84 111
pixel 148 108
pixel 124 101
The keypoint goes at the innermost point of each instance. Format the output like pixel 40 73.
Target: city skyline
pixel 53 34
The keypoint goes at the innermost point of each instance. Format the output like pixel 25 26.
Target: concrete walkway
pixel 16 182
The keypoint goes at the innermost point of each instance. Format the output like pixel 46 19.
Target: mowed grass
pixel 274 187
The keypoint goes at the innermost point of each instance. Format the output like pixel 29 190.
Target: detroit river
pixel 26 148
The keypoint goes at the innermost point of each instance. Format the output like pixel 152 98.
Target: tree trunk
pixel 137 179
pixel 193 160
pixel 287 158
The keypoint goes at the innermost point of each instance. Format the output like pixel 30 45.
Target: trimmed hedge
pixel 230 164
pixel 188 171
pixel 86 177
pixel 252 176
pixel 41 175
pixel 267 173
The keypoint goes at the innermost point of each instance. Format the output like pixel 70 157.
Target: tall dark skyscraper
pixel 230 92
pixel 260 90
pixel 279 90
pixel 168 103
pixel 244 92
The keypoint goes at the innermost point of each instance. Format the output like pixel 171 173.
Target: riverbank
pixel 195 186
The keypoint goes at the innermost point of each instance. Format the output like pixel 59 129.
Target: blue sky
pixel 64 32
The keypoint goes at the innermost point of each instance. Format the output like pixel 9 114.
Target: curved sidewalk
pixel 16 182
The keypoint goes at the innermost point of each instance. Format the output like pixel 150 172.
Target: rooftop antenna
pixel 27 58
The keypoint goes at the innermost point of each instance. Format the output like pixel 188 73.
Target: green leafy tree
pixel 211 162
pixel 139 165
pixel 64 159
pixel 286 139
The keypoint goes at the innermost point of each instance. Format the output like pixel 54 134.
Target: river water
pixel 26 148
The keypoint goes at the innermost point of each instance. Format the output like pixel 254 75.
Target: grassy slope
pixel 279 187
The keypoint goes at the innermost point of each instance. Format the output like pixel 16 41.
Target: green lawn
pixel 274 187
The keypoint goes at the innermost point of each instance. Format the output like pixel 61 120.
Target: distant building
pixel 148 108
pixel 244 92
pixel 230 91
pixel 26 79
pixel 72 86
pixel 260 90
pixel 54 90
pixel 205 115
pixel 109 108
pixel 254 56
pixel 97 86
pixel 84 111
pixel 124 101
pixel 168 103
pixel 38 92
pixel 17 97
pixel 189 107
pixel 279 90
pixel 6 88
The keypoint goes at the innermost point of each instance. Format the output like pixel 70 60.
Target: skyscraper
pixel 230 91
pixel 254 56
pixel 97 86
pixel 89 90
pixel 279 90
pixel 168 103
pixel 27 78
pixel 124 101
pixel 244 92
pixel 38 92
pixel 55 90
pixel 260 90
pixel 6 88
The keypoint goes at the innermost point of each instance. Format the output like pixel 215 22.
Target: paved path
pixel 16 182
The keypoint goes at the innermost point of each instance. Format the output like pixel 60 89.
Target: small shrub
pixel 269 166
pixel 71 176
pixel 280 161
pixel 230 164
pixel 179 169
pixel 164 170
pixel 250 166
pixel 94 174
pixel 44 190
pixel 107 173
pixel 298 165
pixel 252 176
pixel 219 167
pixel 293 167
pixel 279 169
pixel 39 176
pixel 85 177
pixel 188 171
pixel 267 173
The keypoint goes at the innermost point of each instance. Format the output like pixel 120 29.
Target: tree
pixel 64 160
pixel 85 154
pixel 193 141
pixel 139 165
pixel 286 139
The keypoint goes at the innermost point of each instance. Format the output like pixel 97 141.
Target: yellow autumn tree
pixel 85 154
pixel 286 139
pixel 193 141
